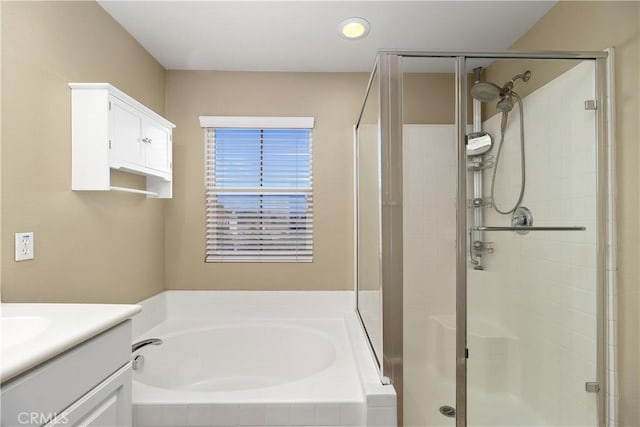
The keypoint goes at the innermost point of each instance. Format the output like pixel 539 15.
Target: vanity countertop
pixel 34 333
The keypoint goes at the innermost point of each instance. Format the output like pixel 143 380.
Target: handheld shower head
pixel 505 104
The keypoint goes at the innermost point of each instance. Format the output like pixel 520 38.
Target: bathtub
pixel 256 359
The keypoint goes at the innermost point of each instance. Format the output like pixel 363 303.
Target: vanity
pixel 65 364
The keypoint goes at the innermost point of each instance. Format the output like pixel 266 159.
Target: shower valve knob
pixel 522 217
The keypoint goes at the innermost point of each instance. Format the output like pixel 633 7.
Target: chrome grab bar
pixel 527 228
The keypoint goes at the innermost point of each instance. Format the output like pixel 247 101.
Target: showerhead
pixel 485 91
pixel 505 104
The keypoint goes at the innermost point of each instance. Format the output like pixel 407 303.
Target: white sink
pixel 18 329
pixel 31 334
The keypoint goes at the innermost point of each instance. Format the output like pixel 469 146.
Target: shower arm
pixel 511 83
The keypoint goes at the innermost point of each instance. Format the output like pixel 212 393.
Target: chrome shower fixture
pixel 505 104
pixel 524 77
pixel 506 96
pixel 485 91
pixel 488 91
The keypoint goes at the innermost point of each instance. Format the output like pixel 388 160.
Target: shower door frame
pixel 389 69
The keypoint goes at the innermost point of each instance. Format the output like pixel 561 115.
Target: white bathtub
pixel 256 359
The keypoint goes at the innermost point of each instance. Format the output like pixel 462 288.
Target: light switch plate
pixel 24 246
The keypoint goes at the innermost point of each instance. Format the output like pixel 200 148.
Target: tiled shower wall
pixel 429 218
pixel 541 286
pixel 429 221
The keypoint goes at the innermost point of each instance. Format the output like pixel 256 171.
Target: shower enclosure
pixel 484 209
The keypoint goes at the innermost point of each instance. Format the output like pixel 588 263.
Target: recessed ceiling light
pixel 353 28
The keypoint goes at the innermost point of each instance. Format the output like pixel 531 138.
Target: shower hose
pixel 503 128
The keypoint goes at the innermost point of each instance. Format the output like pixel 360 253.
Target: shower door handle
pixel 526 228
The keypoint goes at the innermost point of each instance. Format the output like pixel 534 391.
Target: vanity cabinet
pixel 111 130
pixel 107 405
pixel 88 385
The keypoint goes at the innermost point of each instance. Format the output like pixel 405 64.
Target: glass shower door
pixel 368 207
pixel 532 308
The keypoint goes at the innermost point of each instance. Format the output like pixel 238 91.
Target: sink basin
pixel 32 333
pixel 18 329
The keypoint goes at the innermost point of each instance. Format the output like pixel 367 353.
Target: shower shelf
pixel 486 228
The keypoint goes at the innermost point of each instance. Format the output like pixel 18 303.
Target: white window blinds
pixel 259 192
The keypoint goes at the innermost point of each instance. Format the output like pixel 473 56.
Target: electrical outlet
pixel 24 246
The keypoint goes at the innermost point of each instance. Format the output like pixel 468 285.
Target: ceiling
pixel 302 35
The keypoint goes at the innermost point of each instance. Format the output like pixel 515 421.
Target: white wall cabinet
pixel 111 130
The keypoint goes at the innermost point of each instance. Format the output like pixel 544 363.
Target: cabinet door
pixel 158 143
pixel 107 405
pixel 127 148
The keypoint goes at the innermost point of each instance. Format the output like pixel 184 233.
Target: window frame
pixel 303 253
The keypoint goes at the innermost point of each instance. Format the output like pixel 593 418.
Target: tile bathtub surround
pixel 154 311
pixel 252 304
pixel 219 415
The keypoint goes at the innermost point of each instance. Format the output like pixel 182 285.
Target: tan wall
pixel 430 98
pixel 596 26
pixel 89 247
pixel 334 100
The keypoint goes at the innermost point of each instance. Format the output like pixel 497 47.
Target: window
pixel 259 189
